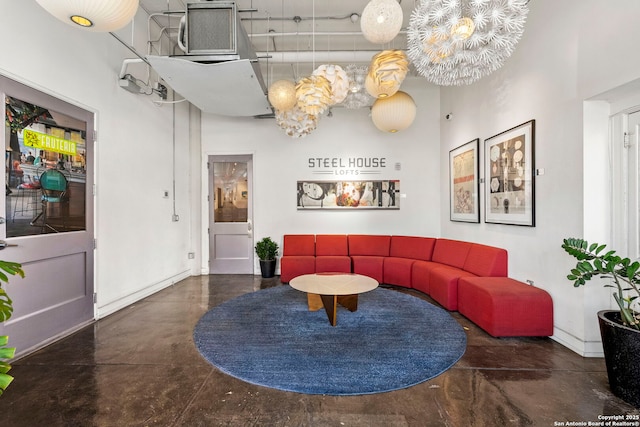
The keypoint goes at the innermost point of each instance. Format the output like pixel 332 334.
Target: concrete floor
pixel 139 367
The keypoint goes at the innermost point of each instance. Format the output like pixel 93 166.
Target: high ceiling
pixel 308 31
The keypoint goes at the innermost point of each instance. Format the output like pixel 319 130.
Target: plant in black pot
pixel 620 329
pixel 267 251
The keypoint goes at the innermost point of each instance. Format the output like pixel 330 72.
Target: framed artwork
pixel 509 176
pixel 464 163
pixel 349 194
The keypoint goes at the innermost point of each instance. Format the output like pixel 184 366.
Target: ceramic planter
pixel 622 356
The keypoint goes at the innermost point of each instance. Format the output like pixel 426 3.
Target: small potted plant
pixel 267 251
pixel 619 329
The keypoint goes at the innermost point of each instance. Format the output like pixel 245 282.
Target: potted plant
pixel 620 329
pixel 267 251
pixel 6 309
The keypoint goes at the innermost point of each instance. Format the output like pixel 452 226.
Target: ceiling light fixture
pixel 381 20
pixel 296 123
pixel 282 95
pixel 314 94
pixel 94 15
pixel 387 71
pixel 338 81
pixel 357 97
pixel 456 42
pixel 394 113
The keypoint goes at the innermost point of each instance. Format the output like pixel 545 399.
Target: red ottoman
pixel 505 307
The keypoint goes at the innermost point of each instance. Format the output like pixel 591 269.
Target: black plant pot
pixel 268 268
pixel 622 356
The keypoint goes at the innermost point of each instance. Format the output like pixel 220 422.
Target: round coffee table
pixel 330 289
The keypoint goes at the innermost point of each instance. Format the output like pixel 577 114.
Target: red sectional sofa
pixel 464 276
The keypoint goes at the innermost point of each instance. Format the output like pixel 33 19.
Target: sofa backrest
pixel 487 261
pixel 451 252
pixel 367 244
pixel 299 244
pixel 420 248
pixel 331 244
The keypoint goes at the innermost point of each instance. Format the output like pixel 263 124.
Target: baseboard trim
pixel 573 343
pixel 120 303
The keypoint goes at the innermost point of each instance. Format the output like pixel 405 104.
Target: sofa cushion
pixel 419 248
pixel 372 245
pixel 371 266
pixel 397 271
pixel 505 307
pixel 299 244
pixel 333 264
pixel 443 285
pixel 487 261
pixel 420 273
pixel 293 266
pixel 331 244
pixel 451 252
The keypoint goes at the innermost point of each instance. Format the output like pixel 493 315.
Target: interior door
pixel 50 233
pixel 230 224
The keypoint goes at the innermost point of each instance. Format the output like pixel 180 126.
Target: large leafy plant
pixel 594 261
pixel 6 310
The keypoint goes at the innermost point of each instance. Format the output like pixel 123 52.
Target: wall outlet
pixel 191 255
pixel 175 217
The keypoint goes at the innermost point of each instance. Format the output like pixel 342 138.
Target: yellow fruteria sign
pixel 42 141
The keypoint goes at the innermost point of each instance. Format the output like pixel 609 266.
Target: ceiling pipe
pixel 344 56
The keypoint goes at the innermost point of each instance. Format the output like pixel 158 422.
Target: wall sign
pixel 347 166
pixel 349 194
pixel 42 141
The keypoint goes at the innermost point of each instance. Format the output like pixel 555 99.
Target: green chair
pixel 54 189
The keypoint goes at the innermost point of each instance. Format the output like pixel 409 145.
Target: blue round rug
pixel 270 338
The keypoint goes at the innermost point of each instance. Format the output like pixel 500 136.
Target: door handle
pixel 4 244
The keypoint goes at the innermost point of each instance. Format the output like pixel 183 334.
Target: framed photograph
pixel 509 176
pixel 464 185
pixel 349 194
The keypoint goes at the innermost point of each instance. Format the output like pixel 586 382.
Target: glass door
pixel 48 211
pixel 231 236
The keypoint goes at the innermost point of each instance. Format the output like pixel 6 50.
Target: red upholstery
pixel 370 245
pixel 369 266
pixel 420 275
pixel 505 307
pixel 299 244
pixel 397 271
pixel 332 253
pixel 298 256
pixel 332 244
pixel 451 252
pixel 486 261
pixel 443 285
pixel 419 248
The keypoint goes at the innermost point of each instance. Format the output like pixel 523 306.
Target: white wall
pixel 139 249
pixel 571 51
pixel 280 161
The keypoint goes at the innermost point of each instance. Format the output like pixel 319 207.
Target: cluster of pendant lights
pixel 450 42
pixel 298 107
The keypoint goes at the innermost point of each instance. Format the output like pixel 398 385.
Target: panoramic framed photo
pixel 464 185
pixel 509 176
pixel 383 194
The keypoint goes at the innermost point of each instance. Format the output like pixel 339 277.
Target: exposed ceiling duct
pixel 218 69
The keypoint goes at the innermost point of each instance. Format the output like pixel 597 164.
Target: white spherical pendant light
pixel 394 113
pixel 381 20
pixel 282 95
pixel 93 15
